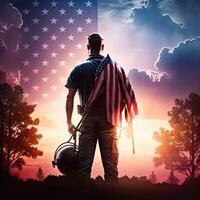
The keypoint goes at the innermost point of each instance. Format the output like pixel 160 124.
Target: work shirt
pixel 82 78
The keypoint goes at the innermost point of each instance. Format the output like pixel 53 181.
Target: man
pixel 96 125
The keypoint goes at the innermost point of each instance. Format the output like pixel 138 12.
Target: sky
pixel 157 42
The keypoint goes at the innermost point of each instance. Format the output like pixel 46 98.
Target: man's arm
pixel 69 109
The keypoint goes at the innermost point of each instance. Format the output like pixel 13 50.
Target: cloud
pixel 137 31
pixel 10 34
pixel 10 22
pixel 160 26
pixel 187 12
pixel 177 74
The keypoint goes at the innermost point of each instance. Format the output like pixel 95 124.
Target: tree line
pixel 178 149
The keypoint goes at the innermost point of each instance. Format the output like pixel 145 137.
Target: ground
pixel 72 187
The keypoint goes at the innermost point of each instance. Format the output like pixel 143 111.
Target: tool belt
pixel 80 109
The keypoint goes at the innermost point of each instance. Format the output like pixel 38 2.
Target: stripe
pixel 107 73
pixel 119 93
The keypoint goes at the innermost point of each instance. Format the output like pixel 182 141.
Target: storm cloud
pixel 177 74
pixel 10 33
pixel 146 29
pixel 184 11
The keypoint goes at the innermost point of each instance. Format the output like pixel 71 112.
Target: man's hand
pixel 71 128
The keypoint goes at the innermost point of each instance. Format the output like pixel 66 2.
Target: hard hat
pixel 65 158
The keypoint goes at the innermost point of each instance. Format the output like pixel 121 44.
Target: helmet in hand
pixel 66 158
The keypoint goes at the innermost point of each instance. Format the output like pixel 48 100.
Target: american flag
pixel 52 42
pixel 112 79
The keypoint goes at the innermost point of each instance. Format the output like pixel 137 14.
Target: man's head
pixel 95 43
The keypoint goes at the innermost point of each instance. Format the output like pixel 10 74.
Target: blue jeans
pixel 98 128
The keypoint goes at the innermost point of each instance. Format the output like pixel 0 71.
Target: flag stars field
pixel 52 32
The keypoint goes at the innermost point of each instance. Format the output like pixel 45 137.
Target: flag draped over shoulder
pixel 119 94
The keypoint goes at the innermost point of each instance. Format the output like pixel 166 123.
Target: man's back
pixel 82 78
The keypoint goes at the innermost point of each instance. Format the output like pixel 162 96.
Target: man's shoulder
pixel 88 63
pixel 82 66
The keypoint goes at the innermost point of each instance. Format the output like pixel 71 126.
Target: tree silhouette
pixel 99 179
pixel 179 148
pixel 17 129
pixel 172 179
pixel 40 174
pixel 152 178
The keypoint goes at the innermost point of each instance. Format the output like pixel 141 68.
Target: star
pixel 62 29
pixel 79 11
pixel 26 79
pixel 62 63
pixel 45 79
pixel 71 20
pixel 35 20
pixel 70 4
pixel 70 54
pixel 54 4
pixel 62 11
pixel 35 3
pixel 26 63
pixel 35 54
pixel 26 46
pixel 53 37
pixel 26 95
pixel 35 71
pixel 26 12
pixel 45 95
pixel 88 21
pixel 53 87
pixel 62 46
pixel 71 37
pixel 53 55
pixel 45 11
pixel 79 29
pixel 26 29
pixel 45 63
pixel 35 88
pixel 35 37
pixel 45 46
pixel 88 4
pixel 53 71
pixel 53 20
pixel 79 46
pixel 44 29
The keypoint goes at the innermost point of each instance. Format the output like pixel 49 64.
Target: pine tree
pixel 172 179
pixel 40 174
pixel 152 178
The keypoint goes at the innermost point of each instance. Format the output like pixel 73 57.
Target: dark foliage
pixel 18 134
pixel 179 148
pixel 72 187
